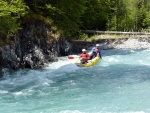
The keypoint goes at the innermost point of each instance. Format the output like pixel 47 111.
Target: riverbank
pixel 34 54
pixel 133 43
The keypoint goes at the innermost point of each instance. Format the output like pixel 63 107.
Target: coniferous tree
pixel 96 14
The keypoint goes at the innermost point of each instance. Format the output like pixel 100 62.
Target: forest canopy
pixel 71 16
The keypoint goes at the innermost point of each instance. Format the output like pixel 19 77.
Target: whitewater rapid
pixel 119 83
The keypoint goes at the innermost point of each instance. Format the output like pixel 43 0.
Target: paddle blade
pixel 73 56
pixel 70 57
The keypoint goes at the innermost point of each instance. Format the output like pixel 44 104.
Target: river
pixel 119 83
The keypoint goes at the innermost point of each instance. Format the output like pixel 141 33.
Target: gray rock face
pixel 8 57
pixel 33 47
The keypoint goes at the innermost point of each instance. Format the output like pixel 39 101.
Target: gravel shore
pixel 130 43
pixel 105 44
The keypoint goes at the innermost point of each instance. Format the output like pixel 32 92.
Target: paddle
pixel 73 57
pixel 70 57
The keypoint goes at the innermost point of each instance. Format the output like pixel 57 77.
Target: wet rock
pixel 8 57
pixel 33 46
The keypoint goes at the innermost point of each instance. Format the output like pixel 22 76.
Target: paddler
pixel 84 56
pixel 95 52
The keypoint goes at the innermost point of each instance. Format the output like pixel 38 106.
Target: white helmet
pixel 97 45
pixel 83 49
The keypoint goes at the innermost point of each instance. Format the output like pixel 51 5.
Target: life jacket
pixel 84 57
pixel 96 51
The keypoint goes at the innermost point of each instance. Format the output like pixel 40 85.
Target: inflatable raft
pixel 90 62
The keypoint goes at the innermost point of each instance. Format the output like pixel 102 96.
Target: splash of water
pixel 119 83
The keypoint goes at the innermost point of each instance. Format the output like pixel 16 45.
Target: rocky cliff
pixel 32 47
pixel 37 44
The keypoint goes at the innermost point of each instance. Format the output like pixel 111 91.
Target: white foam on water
pixel 3 91
pixel 18 93
pixel 62 66
pixel 71 111
pixel 64 93
pixel 77 111
pixel 141 62
pixel 110 60
pixel 146 50
pixel 134 112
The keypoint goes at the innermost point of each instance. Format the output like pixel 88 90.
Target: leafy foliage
pixel 96 14
pixel 130 15
pixel 69 16
pixel 10 15
pixel 64 13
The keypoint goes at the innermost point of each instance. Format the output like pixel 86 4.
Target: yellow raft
pixel 90 62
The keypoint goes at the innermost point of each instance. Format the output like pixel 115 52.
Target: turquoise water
pixel 119 83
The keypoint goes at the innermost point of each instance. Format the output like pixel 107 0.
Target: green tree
pixel 10 13
pixel 130 15
pixel 96 14
pixel 64 13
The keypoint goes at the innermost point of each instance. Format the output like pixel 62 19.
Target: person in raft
pixel 95 52
pixel 84 56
